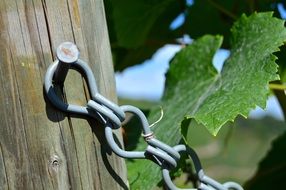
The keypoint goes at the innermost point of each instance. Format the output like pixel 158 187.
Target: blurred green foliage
pixel 138 28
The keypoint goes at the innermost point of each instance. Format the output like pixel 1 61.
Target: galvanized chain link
pixel 112 116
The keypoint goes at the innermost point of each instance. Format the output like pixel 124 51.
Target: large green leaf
pixel 194 89
pixel 272 169
pixel 243 83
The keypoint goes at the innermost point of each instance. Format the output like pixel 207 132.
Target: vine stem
pixel 275 86
pixel 222 9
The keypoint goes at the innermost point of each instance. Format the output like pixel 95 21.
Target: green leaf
pixel 272 169
pixel 133 20
pixel 217 98
pixel 194 89
pixel 136 32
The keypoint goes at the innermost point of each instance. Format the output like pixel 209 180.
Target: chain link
pixel 112 116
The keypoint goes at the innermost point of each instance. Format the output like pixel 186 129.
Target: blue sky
pixel 146 81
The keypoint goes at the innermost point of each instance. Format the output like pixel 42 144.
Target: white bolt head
pixel 67 52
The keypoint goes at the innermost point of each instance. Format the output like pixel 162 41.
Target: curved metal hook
pixel 84 69
pixel 53 97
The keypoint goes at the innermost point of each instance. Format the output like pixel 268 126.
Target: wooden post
pixel 41 148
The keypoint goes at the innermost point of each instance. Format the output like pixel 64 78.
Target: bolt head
pixel 67 52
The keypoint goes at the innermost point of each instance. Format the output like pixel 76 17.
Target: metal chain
pixel 112 116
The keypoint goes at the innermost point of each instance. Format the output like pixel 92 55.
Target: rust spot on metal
pixel 67 51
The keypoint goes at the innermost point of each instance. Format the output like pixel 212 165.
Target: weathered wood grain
pixel 41 148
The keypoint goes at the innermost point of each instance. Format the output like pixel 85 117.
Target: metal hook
pixel 68 58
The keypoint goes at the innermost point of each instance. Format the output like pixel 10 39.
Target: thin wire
pixel 161 117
